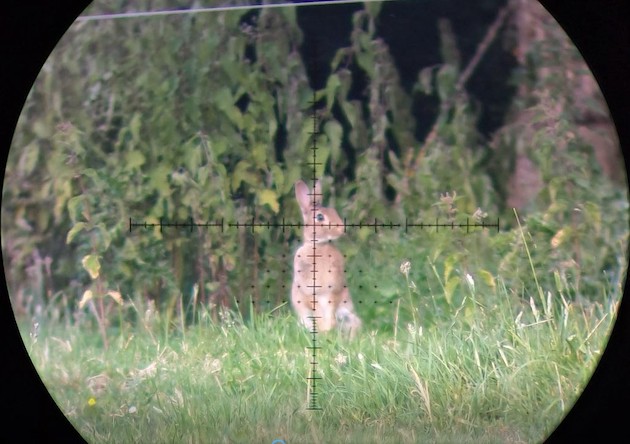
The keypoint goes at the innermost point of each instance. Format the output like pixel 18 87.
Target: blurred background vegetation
pixel 207 117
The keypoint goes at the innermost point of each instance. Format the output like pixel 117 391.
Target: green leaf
pixel 292 175
pixel 220 169
pixel 269 197
pixel 134 127
pixel 76 229
pixel 593 217
pixel 91 173
pixel 158 180
pixel 259 155
pixel 448 43
pixel 105 236
pixel 448 266
pixel 91 265
pixel 63 192
pixel 334 131
pixel 304 141
pixel 223 99
pixel 446 78
pixel 366 61
pixel 28 159
pixel 73 207
pixel 191 197
pixel 449 289
pixel 373 8
pixel 290 15
pixel 134 159
pixel 41 130
pixel 238 176
pixel 365 43
pixel 323 152
pixel 363 234
pixel 488 278
pixel 393 159
pixel 351 113
pixel 558 280
pixel 202 176
pixel 278 176
pixel 97 180
pixel 273 128
pixel 394 181
pixel 332 85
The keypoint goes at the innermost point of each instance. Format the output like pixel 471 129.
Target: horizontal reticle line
pixel 139 14
pixel 190 224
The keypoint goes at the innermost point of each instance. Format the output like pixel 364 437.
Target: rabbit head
pixel 321 224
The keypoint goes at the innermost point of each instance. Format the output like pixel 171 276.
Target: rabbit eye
pixel 320 217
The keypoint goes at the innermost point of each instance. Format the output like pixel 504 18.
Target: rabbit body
pixel 319 293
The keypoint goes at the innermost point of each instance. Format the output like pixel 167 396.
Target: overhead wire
pixel 139 14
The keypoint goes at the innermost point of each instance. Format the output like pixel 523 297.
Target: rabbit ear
pixel 302 196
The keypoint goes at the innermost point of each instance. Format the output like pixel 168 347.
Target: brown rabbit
pixel 319 293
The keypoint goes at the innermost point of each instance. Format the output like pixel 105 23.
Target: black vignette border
pixel 600 31
pixel 28 33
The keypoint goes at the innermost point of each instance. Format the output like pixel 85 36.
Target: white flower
pixel 405 267
pixel 471 282
pixel 341 359
pixel 479 214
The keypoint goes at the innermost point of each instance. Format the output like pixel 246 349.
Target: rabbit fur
pixel 319 293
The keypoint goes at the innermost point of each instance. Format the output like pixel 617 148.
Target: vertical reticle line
pixel 315 199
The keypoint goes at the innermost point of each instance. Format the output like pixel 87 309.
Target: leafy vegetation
pixel 208 118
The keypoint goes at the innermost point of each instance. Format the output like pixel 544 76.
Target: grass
pixel 452 353
pixel 504 371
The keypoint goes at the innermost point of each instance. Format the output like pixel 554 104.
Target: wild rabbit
pixel 319 293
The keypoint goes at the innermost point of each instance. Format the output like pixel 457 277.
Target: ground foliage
pixel 207 117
